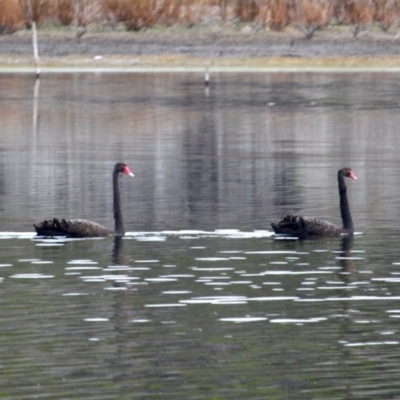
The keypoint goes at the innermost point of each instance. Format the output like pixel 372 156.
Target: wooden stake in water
pixel 34 38
pixel 207 76
pixel 35 49
pixel 35 108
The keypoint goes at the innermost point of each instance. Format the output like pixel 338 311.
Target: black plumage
pixel 306 227
pixel 83 227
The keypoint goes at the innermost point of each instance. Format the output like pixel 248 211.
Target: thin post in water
pixel 34 39
pixel 207 76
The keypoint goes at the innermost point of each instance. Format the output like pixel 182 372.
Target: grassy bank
pixel 187 63
pixel 190 34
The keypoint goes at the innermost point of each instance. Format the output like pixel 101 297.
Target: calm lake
pixel 199 300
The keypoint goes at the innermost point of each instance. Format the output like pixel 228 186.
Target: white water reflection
pixel 96 319
pixel 372 343
pixel 83 262
pixel 296 321
pixel 352 298
pixel 243 319
pixel 164 305
pixel 32 276
pixel 75 294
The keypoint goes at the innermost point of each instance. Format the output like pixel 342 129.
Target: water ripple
pixel 297 320
pixel 352 298
pixel 31 276
pixel 241 320
pixel 394 342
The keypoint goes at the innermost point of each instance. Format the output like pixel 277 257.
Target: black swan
pixel 304 227
pixel 83 227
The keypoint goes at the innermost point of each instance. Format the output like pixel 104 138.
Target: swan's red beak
pixel 351 175
pixel 128 172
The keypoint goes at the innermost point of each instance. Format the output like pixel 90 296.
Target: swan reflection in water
pixel 79 228
pixel 117 256
pixel 345 260
pixel 306 227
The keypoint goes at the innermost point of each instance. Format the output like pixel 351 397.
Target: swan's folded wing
pixel 303 227
pixel 319 227
pixel 84 228
pixel 292 225
pixel 71 228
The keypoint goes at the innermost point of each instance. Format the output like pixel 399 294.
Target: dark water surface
pixel 198 301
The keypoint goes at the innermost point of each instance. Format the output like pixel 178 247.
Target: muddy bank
pixel 192 48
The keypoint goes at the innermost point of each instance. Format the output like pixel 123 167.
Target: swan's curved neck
pixel 119 221
pixel 344 205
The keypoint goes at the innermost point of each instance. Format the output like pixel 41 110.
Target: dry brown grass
pixel 246 10
pixel 191 13
pixel 12 15
pixel 339 11
pixel 311 15
pixel 358 13
pixel 87 11
pixel 386 12
pixel 66 11
pixel 134 15
pixel 40 10
pixel 170 12
pixel 274 14
pixel 223 6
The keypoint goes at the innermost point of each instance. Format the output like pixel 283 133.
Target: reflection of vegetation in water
pixel 135 15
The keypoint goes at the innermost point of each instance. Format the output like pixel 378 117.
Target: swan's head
pixel 347 172
pixel 123 169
